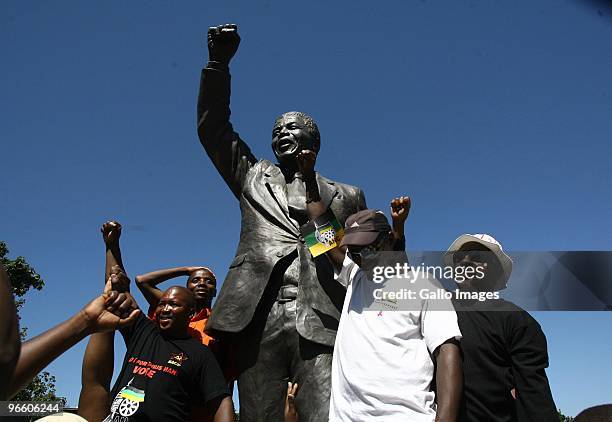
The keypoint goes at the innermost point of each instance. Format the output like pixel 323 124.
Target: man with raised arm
pixel 98 360
pixel 200 280
pixel 165 371
pixel 166 374
pixel 277 303
pixel 385 360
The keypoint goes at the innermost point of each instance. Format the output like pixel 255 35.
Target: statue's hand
pixel 306 160
pixel 223 41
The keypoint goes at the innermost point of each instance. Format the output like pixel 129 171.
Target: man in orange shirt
pixel 202 282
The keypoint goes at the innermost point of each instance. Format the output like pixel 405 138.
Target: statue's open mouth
pixel 287 146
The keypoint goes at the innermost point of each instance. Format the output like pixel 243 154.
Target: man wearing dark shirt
pixel 504 348
pixel 166 371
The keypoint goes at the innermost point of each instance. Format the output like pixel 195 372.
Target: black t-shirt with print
pixel 161 378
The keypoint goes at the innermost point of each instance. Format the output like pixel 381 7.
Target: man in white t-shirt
pixel 386 357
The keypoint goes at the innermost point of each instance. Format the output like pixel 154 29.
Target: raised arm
pixel 314 204
pixel 147 282
pixel 111 233
pixel 400 208
pixel 10 343
pixel 105 313
pixel 230 155
pixel 98 361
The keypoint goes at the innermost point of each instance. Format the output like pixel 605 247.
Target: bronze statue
pixel 278 306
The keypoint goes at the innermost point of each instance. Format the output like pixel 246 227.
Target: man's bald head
pixel 174 311
pixel 184 293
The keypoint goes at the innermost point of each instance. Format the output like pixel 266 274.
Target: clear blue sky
pixel 495 117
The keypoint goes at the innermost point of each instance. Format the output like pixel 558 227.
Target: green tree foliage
pixel 23 278
pixel 563 418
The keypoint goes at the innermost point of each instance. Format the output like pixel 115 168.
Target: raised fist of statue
pixel 223 41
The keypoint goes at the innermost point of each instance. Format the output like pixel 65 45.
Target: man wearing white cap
pixel 504 348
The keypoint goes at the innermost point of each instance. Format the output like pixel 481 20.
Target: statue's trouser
pixel 280 356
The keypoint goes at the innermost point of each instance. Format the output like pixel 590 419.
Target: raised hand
pixel 110 311
pixel 291 414
pixel 306 160
pixel 223 42
pixel 117 281
pixel 400 207
pixel 111 232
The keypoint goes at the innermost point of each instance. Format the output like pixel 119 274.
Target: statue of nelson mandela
pixel 278 307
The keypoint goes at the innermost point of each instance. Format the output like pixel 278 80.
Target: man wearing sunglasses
pixel 384 362
pixel 504 348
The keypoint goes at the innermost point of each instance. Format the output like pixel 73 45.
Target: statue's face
pixel 289 137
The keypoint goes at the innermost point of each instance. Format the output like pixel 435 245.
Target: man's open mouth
pixel 286 145
pixel 164 320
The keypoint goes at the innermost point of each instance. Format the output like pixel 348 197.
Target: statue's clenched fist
pixel 223 41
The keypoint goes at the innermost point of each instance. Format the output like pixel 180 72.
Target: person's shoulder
pixel 518 316
pixel 349 271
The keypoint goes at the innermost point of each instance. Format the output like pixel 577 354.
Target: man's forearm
pixel 314 205
pixel 147 282
pixel 155 277
pixel 316 208
pixel 113 257
pixel 38 352
pixel 449 380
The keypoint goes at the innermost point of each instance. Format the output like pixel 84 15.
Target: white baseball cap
pixel 488 242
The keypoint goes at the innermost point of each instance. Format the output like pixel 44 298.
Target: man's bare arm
pixel 449 381
pixel 10 342
pixel 105 313
pixel 225 410
pixel 314 204
pixel 98 361
pixel 147 282
pixel 111 233
pixel 400 208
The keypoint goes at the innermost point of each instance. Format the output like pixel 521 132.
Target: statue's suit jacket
pixel 267 233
